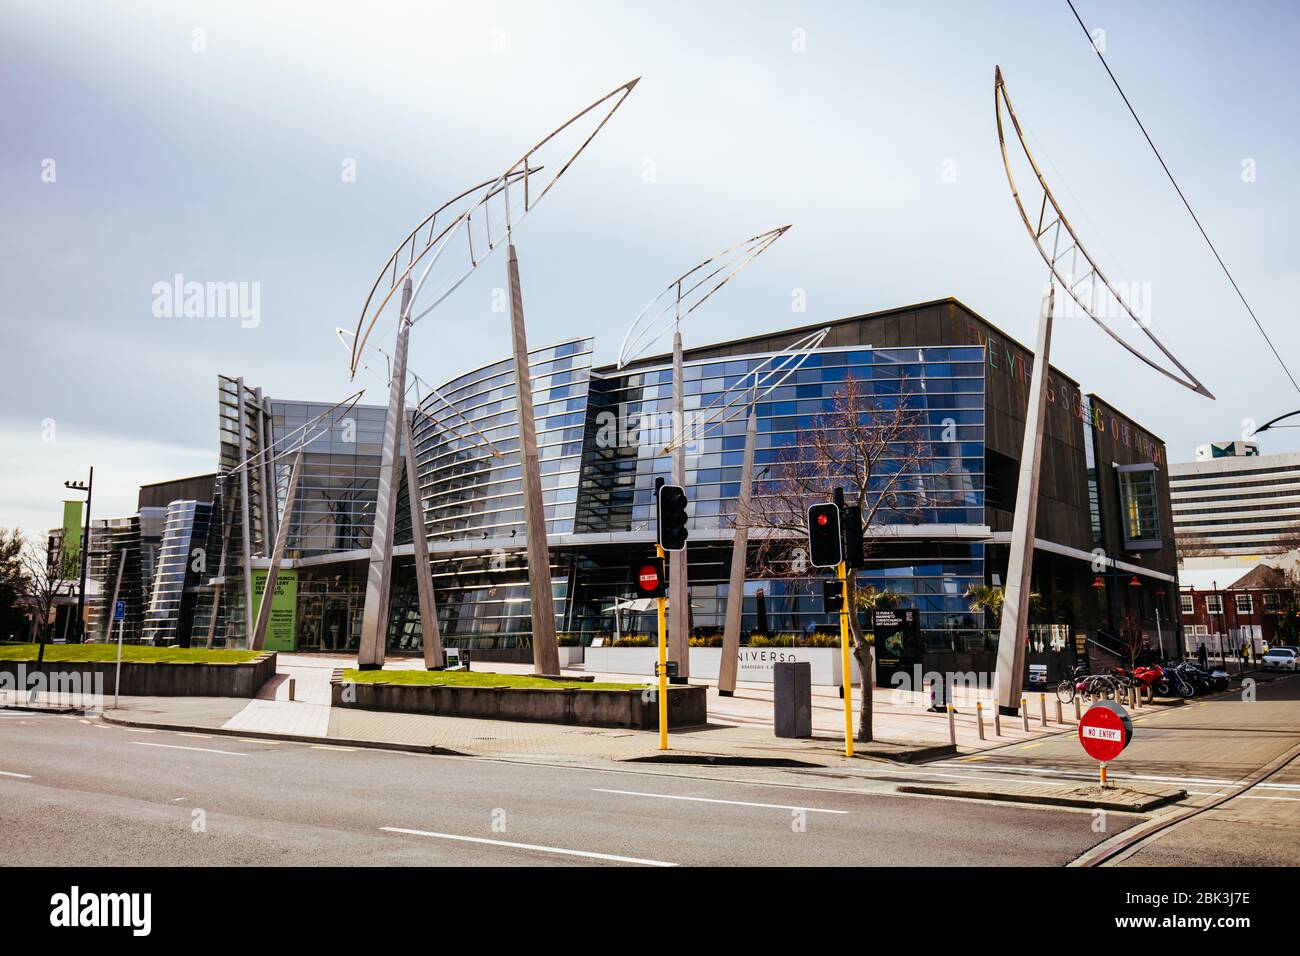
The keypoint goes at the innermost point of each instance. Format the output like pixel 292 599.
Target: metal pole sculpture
pixel 739 558
pixel 1078 275
pixel 485 220
pixel 679 616
pixel 264 462
pixel 277 553
pixel 374 617
pixel 683 296
pixel 1020 565
pixel 541 604
pixel 756 384
pixel 430 636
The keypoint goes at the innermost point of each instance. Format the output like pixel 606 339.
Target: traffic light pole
pixel 845 658
pixel 663 668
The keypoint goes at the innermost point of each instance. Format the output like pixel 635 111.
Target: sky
pixel 289 147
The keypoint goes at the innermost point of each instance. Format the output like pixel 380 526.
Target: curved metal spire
pixel 768 375
pixel 1083 280
pixel 292 447
pixel 688 292
pixel 416 381
pixel 479 228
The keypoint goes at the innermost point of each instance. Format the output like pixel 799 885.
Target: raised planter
pixel 754 664
pixel 561 705
pixel 189 679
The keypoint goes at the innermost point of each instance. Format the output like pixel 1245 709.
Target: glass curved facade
pixel 601 436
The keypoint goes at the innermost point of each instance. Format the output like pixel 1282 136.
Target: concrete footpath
pixel 739 730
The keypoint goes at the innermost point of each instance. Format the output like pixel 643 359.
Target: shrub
pixel 568 640
pixel 634 640
pixel 713 640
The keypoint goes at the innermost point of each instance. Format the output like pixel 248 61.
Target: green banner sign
pixel 70 552
pixel 284 606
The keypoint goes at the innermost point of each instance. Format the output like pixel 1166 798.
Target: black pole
pixel 85 555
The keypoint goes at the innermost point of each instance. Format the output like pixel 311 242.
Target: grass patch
pixel 473 679
pixel 131 653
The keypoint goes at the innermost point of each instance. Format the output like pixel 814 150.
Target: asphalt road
pixel 1209 747
pixel 78 792
pixel 91 794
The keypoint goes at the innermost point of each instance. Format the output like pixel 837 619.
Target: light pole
pixel 88 487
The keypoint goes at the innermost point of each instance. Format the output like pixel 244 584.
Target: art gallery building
pixel 1104 562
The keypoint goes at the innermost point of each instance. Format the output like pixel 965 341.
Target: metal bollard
pixel 1059 719
pixel 1077 715
pixel 952 725
pixel 997 721
pixel 292 687
pixel 979 719
pixel 1024 714
pixel 1042 709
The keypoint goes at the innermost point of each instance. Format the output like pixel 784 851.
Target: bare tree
pixel 43 583
pixel 873 448
pixel 1193 544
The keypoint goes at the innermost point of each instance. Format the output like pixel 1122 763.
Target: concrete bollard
pixel 979 719
pixel 1059 719
pixel 952 725
pixel 997 721
pixel 1042 709
pixel 1024 714
pixel 293 686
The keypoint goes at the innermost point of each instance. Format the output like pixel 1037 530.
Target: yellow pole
pixel 845 668
pixel 663 670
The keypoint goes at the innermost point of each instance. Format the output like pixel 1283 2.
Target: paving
pixel 1131 798
pixel 739 729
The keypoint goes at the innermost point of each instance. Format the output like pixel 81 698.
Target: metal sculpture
pixel 474 211
pixel 429 391
pixel 1081 275
pixel 487 218
pixel 265 458
pixel 689 291
pixel 665 311
pixel 769 375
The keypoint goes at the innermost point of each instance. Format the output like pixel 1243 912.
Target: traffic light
pixel 832 597
pixel 648 579
pixel 854 548
pixel 825 549
pixel 672 517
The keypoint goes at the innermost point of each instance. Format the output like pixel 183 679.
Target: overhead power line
pixel 1179 190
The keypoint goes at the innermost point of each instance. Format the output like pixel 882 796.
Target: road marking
pixel 206 750
pixel 139 730
pixel 349 750
pixel 1031 746
pixel 20 776
pixel 734 803
pixel 529 846
pixel 181 733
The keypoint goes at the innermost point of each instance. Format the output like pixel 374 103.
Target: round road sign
pixel 1105 730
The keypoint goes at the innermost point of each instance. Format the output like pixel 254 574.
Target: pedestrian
pixel 1243 655
pixel 1203 656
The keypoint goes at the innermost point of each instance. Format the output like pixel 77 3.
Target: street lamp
pixel 88 487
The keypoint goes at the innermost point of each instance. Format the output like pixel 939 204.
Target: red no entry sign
pixel 1105 730
pixel 648 577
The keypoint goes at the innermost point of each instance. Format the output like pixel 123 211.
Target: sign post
pixel 663 661
pixel 845 661
pixel 1104 731
pixel 119 615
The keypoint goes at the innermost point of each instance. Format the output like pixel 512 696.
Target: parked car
pixel 1281 659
